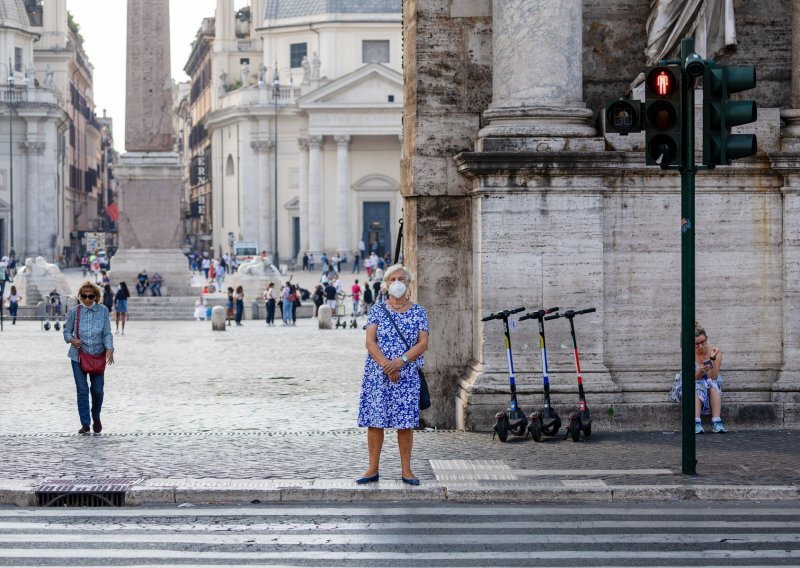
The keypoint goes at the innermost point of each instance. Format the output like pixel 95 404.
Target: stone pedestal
pixel 150 231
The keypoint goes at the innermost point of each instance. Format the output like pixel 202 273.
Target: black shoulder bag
pixel 424 394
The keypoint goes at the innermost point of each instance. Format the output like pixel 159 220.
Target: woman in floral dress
pixel 390 389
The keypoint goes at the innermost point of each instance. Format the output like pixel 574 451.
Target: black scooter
pixel 582 419
pixel 545 420
pixel 513 419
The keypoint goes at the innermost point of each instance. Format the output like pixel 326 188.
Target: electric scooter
pixel 545 420
pixel 512 419
pixel 582 419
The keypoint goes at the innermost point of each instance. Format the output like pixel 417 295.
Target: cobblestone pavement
pixel 281 403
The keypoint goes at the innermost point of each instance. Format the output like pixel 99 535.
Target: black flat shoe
pixel 97 426
pixel 410 480
pixel 84 429
pixel 364 480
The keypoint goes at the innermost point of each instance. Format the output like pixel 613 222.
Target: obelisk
pixel 149 173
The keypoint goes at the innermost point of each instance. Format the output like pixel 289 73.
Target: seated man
pixel 142 282
pixel 155 284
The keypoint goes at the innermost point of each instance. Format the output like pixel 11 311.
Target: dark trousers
pixel 270 311
pixel 239 311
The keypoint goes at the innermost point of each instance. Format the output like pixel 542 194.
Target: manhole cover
pixel 84 492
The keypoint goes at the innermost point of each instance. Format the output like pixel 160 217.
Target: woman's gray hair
pixel 391 270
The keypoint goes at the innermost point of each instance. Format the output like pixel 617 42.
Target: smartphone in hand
pixel 708 363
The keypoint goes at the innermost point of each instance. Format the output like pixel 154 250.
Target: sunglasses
pixel 88 296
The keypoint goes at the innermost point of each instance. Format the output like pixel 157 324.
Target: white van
pixel 245 250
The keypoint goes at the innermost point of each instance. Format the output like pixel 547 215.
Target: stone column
pixel 302 143
pixel 34 206
pixel 537 86
pixel 315 195
pixel 790 134
pixel 343 194
pixel 262 183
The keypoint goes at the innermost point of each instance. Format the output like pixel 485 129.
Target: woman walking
pixel 88 331
pixel 239 298
pixel 108 297
pixel 13 304
pixel 121 306
pixel 286 310
pixel 391 386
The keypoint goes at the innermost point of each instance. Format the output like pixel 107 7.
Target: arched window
pixel 229 166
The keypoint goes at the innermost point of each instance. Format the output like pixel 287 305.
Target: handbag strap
pixel 394 323
pixel 78 323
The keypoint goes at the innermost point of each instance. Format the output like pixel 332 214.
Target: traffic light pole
pixel 688 172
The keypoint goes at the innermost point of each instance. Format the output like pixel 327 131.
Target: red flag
pixel 113 212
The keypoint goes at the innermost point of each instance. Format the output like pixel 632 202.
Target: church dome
pixel 14 15
pixel 283 9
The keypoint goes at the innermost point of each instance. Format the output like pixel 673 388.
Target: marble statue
pixel 38 267
pixel 262 71
pixel 244 74
pixel 306 70
pixel 315 64
pixel 710 22
pixel 48 77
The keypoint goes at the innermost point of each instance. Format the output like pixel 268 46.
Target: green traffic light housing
pixel 720 114
pixel 662 116
pixel 623 116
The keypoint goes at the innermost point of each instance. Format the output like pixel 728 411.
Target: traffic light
pixel 623 116
pixel 721 114
pixel 662 116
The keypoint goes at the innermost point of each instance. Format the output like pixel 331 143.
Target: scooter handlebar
pixel 539 314
pixel 572 313
pixel 504 314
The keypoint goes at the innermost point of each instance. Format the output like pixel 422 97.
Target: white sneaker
pixel 123 332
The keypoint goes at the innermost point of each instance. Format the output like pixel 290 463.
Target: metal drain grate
pixel 84 492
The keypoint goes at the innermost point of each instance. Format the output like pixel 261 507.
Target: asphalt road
pixel 381 535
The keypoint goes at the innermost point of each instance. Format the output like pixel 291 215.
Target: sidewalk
pixel 241 467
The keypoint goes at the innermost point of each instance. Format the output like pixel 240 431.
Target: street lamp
pixel 276 92
pixel 9 96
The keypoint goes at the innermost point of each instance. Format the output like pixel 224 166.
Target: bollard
pixel 324 316
pixel 255 308
pixel 218 318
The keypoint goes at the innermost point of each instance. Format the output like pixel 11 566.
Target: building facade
pixel 56 181
pixel 304 125
pixel 515 196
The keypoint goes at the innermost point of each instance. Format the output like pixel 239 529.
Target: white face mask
pixel 397 289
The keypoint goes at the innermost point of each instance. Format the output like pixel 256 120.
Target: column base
pixel 538 129
pixel 790 134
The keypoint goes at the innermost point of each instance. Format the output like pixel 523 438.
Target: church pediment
pixel 371 85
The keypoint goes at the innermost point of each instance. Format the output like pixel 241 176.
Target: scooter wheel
pixel 553 428
pixel 536 430
pixel 575 429
pixel 502 429
pixel 587 430
pixel 47 326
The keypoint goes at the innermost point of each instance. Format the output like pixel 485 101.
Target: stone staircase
pixel 174 308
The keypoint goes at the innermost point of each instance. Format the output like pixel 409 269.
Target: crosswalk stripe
pixel 90 553
pixel 400 539
pixel 652 524
pixel 447 511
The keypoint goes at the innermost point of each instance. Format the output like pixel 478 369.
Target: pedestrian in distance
pixel 108 298
pixel 142 283
pixel 311 262
pixel 356 264
pixel 305 261
pixel 200 308
pixel 238 297
pixel 270 298
pixel 296 303
pixel 708 382
pixel 88 331
pixel 5 275
pixel 318 298
pixel 14 300
pixel 229 305
pixel 121 306
pixel 205 265
pixel 390 390
pixel 330 296
pixel 367 299
pixel 286 311
pixel 355 290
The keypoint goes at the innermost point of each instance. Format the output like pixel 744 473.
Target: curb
pixel 21 493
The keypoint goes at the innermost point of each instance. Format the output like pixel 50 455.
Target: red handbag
pixel 92 364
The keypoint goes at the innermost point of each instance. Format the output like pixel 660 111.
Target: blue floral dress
pixel 385 404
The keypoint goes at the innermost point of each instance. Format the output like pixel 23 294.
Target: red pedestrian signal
pixel 661 82
pixel 662 117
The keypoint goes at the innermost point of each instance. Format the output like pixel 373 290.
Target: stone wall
pixel 486 231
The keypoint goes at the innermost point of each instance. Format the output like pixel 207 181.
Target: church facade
pixel 515 196
pixel 301 128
